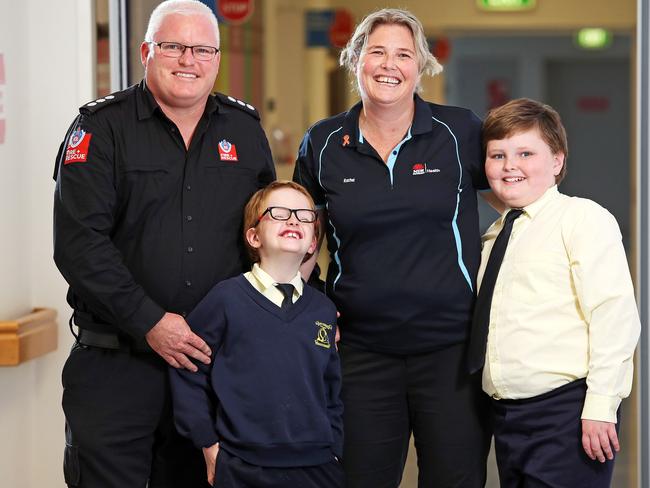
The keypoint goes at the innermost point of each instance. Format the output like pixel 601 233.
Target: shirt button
pixel 189 218
pixel 188 187
pixel 394 153
pixel 190 249
pixel 188 283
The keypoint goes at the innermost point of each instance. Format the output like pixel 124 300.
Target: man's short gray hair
pixel 181 7
pixel 427 63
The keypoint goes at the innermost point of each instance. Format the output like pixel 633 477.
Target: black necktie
pixel 481 318
pixel 287 291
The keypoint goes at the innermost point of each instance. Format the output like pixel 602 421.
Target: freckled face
pixel 387 71
pixel 521 167
pixel 183 82
pixel 287 236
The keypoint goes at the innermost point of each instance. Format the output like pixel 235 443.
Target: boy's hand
pixel 210 455
pixel 173 339
pixel 598 439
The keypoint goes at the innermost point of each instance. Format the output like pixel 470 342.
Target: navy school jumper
pixel 271 394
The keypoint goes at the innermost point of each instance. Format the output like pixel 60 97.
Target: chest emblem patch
pixel 322 339
pixel 421 169
pixel 77 150
pixel 227 151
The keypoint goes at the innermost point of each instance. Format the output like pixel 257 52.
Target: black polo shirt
pixel 143 225
pixel 403 236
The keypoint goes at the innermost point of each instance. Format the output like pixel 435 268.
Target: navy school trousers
pixel 538 442
pixel 233 472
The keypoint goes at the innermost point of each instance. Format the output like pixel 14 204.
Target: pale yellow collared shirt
pixel 265 284
pixel 563 306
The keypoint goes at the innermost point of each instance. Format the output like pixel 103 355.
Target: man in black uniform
pixel 151 185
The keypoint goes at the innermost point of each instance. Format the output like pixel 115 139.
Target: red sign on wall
pixel 342 27
pixel 593 104
pixel 235 11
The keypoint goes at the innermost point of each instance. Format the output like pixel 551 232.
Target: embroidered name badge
pixel 227 151
pixel 77 150
pixel 322 338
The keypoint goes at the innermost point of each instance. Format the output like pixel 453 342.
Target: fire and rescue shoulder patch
pixel 77 148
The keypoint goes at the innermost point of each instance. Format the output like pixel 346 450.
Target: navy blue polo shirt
pixel 403 235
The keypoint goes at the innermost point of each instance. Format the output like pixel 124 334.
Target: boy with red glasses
pixel 267 411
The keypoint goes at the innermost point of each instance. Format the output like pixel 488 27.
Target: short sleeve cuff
pixel 143 320
pixel 600 407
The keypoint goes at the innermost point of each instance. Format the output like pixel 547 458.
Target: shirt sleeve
pixel 475 157
pixel 267 174
pixel 305 171
pixel 195 404
pixel 606 299
pixel 85 207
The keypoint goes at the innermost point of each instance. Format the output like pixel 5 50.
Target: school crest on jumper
pixel 227 151
pixel 322 339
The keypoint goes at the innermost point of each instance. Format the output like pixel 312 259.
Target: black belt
pixel 89 335
pixel 110 341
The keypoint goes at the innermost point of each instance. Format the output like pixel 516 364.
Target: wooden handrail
pixel 28 337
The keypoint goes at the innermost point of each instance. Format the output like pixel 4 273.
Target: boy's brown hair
pixel 257 205
pixel 524 114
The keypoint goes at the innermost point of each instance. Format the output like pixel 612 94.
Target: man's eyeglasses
pixel 176 50
pixel 304 215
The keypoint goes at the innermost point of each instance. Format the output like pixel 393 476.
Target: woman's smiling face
pixel 387 71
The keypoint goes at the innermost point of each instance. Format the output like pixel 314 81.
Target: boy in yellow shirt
pixel 555 323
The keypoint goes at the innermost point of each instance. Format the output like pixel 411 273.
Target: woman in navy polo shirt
pixel 396 178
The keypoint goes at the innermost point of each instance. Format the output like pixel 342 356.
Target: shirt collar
pixel 147 105
pixel 422 117
pixel 266 281
pixel 350 129
pixel 534 208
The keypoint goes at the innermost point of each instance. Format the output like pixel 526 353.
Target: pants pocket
pixel 71 471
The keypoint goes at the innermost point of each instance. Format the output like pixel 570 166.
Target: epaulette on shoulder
pixel 240 104
pixel 95 105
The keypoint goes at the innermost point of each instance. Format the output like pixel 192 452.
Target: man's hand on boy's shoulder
pixel 210 455
pixel 174 341
pixel 598 439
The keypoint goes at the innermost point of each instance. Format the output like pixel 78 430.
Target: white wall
pixel 47 48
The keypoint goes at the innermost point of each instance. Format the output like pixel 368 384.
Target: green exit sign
pixel 593 38
pixel 505 5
